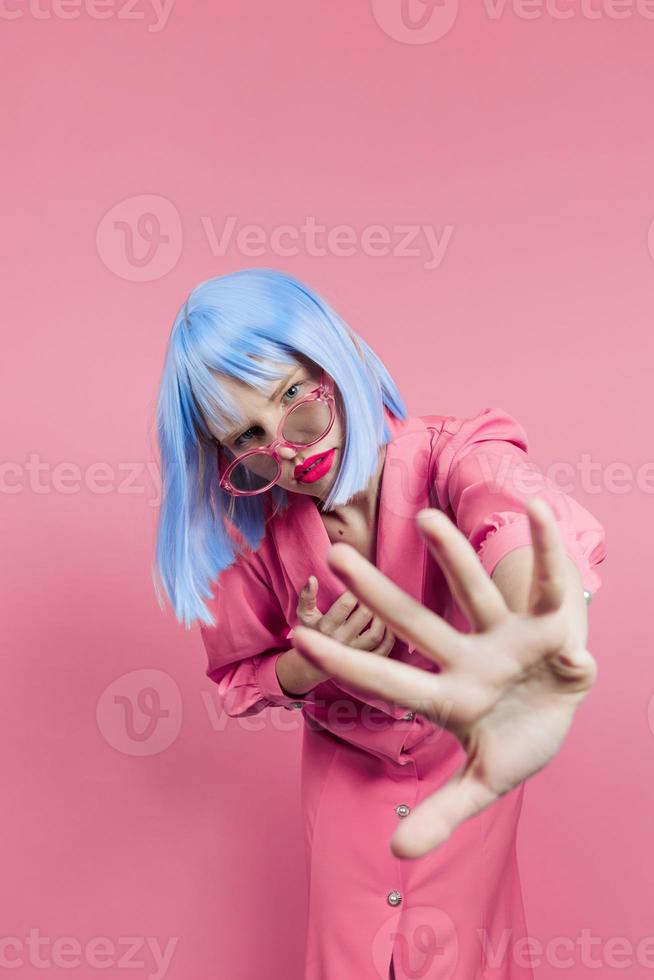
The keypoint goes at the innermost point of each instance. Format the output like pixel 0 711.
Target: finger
pixel 371 637
pixel 307 593
pixel 307 607
pixel 339 610
pixel 408 619
pixel 549 575
pixel 386 645
pixel 437 817
pixel 435 695
pixel 376 631
pixel 474 590
pixel 355 623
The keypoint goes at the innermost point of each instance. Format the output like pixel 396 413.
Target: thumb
pixel 308 595
pixel 437 817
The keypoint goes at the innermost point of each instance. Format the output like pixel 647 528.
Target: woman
pixel 281 432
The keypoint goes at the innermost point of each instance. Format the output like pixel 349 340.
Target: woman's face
pixel 263 411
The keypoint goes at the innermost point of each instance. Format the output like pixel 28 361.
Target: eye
pixel 243 438
pixel 298 384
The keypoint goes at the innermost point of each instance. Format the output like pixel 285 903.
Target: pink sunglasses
pixel 323 395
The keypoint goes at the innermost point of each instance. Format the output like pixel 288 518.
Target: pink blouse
pixel 478 472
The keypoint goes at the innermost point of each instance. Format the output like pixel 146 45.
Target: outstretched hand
pixel 508 690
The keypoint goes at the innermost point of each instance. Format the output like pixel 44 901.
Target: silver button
pixel 587 595
pixel 296 704
pixel 402 810
pixel 409 716
pixel 394 898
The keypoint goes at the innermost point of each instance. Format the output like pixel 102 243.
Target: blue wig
pixel 236 325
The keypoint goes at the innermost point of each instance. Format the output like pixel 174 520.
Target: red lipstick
pixel 317 471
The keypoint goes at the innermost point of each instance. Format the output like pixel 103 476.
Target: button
pixel 587 595
pixel 402 810
pixel 296 704
pixel 409 716
pixel 394 898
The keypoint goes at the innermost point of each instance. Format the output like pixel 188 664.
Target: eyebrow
pixel 245 427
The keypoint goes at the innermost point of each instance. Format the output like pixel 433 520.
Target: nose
pixel 287 452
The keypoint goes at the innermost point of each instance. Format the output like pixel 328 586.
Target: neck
pixel 365 502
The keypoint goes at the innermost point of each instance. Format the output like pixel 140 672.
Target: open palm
pixel 508 690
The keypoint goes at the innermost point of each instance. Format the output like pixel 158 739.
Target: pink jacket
pixel 476 470
pixel 472 467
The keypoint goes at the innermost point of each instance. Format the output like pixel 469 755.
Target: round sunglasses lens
pixel 254 473
pixel 306 423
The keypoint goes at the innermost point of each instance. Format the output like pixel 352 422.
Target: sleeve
pixel 483 475
pixel 250 635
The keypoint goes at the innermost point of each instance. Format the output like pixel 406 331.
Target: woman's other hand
pixel 346 621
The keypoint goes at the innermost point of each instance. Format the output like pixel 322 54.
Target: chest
pixel 355 532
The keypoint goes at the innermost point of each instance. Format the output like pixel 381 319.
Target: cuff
pixel 268 683
pixel 505 539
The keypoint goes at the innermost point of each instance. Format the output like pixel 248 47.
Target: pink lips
pixel 317 471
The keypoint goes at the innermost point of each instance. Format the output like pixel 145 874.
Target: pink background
pixel 531 139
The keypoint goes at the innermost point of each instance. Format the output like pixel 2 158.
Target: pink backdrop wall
pixel 515 142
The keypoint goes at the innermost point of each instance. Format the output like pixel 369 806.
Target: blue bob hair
pixel 236 325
